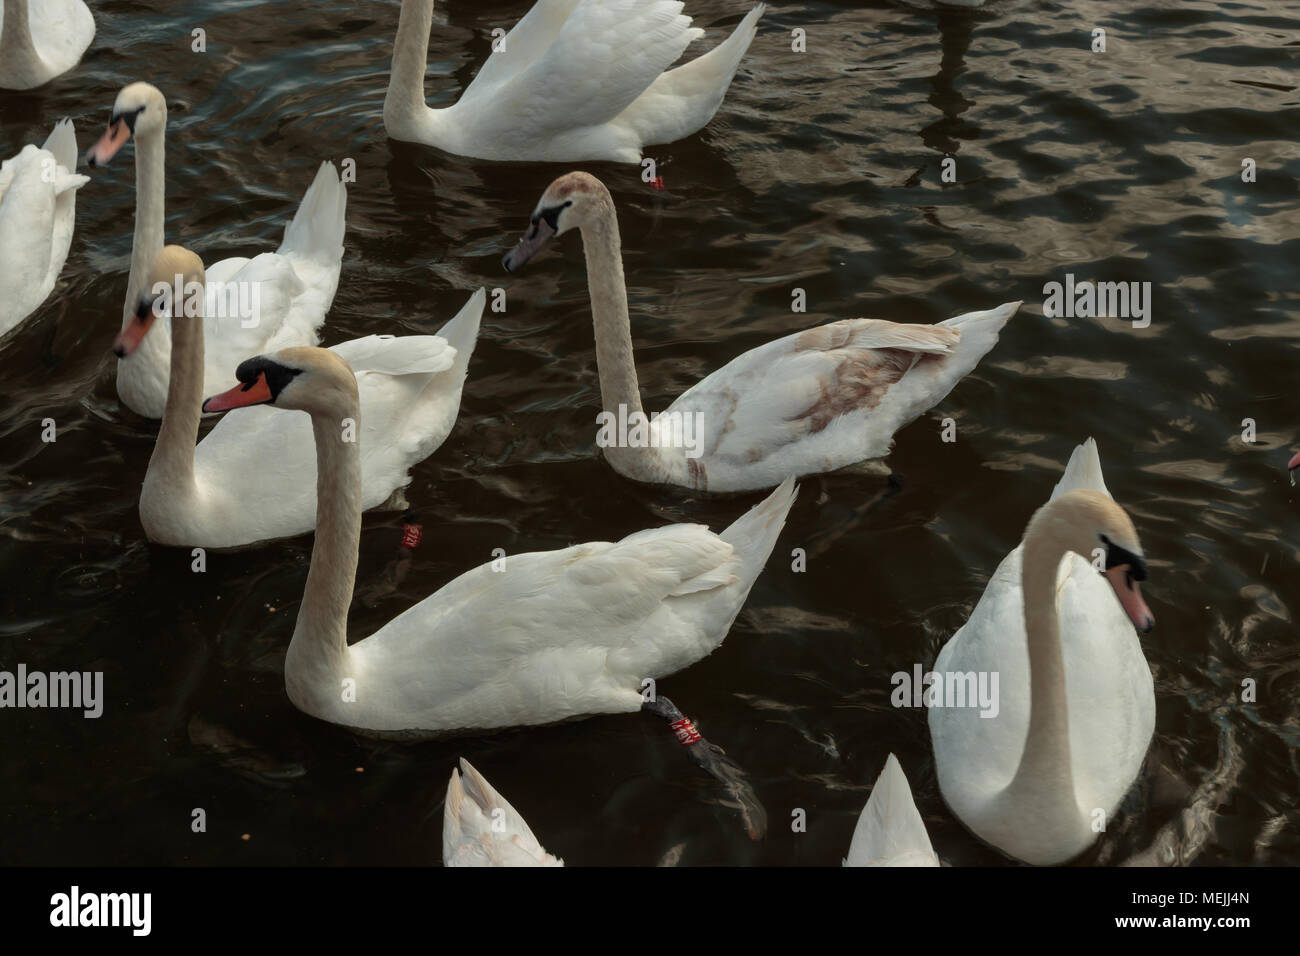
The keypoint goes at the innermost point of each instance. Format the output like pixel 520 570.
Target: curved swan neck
pixel 172 461
pixel 1044 773
pixel 318 652
pixel 613 326
pixel 404 103
pixel 150 199
pixel 16 37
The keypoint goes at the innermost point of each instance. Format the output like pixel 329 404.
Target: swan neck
pixel 16 36
pixel 613 326
pixel 172 461
pixel 319 649
pixel 404 102
pixel 1044 777
pixel 150 199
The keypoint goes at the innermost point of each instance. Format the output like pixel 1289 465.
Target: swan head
pixel 1088 522
pixel 139 110
pixel 305 378
pixel 173 272
pixel 571 202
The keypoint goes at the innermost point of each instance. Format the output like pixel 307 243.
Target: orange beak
pixel 129 339
pixel 106 148
pixel 1130 598
pixel 251 393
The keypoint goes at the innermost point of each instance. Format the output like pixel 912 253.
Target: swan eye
pixel 1116 555
pixel 127 118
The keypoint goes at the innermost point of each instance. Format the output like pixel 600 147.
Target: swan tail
pixel 683 100
pixel 754 533
pixel 890 830
pixel 62 142
pixel 461 333
pixel 433 413
pixel 472 826
pixel 979 331
pixel 316 231
pixel 1083 471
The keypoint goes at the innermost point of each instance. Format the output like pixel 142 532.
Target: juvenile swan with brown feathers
pixel 807 403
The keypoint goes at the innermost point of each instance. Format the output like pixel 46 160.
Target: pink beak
pixel 106 148
pixel 1294 463
pixel 1130 598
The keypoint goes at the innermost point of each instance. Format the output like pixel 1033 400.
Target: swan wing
pixel 527 41
pixel 685 98
pixel 37 210
pixel 276 300
pixel 604 55
pixel 540 637
pixel 763 404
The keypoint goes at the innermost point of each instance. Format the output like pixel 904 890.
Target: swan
pixel 294 286
pixel 890 831
pixel 481 828
pixel 38 198
pixel 551 636
pixel 1077 705
pixel 810 402
pixel 39 39
pixel 253 477
pixel 574 80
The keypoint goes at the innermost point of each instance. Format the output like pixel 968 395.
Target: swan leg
pixel 713 760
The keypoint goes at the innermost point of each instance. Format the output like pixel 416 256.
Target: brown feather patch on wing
pixel 866 373
pixel 860 382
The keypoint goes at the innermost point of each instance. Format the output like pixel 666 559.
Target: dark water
pixel 821 171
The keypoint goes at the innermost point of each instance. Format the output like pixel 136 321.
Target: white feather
pixel 37 213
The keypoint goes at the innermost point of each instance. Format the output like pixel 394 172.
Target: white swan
pixel 574 80
pixel 38 205
pixel 557 634
pixel 810 402
pixel 253 476
pixel 290 289
pixel 481 828
pixel 1076 701
pixel 890 831
pixel 39 39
